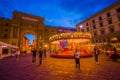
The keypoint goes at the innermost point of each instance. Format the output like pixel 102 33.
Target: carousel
pixel 63 45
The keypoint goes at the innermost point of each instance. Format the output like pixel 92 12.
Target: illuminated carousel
pixel 63 45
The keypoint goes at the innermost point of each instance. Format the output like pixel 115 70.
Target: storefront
pixel 6 49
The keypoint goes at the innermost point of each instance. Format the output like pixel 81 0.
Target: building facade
pixel 104 26
pixel 13 31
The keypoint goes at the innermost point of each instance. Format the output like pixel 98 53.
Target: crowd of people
pixel 111 53
pixel 41 53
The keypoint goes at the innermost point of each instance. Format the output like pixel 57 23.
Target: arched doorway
pixel 25 42
pixel 29 42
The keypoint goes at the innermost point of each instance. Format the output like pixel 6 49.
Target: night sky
pixel 57 13
pixel 66 13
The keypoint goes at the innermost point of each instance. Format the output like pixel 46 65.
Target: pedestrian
pixel 40 56
pixel 77 58
pixel 17 55
pixel 0 52
pixel 115 50
pixel 96 53
pixel 34 55
pixel 115 55
pixel 24 53
pixel 44 51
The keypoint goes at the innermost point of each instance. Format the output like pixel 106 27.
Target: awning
pixel 7 45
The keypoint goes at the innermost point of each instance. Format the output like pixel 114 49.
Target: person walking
pixel 44 51
pixel 40 56
pixel 34 55
pixel 17 55
pixel 0 52
pixel 96 53
pixel 77 58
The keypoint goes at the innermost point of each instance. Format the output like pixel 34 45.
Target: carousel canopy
pixel 7 45
pixel 70 35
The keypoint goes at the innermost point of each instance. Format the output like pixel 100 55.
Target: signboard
pixel 30 19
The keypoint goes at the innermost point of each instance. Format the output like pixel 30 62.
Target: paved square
pixel 58 69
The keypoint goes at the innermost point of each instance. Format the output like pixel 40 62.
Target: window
pixel 13 43
pixel 100 40
pixel 101 24
pixel 5 36
pixel 15 31
pixel 111 30
pixel 96 41
pixel 118 17
pixel 104 40
pixel 6 24
pixel 108 14
pixel 118 10
pixel 94 26
pixel 6 30
pixel 102 31
pixel 86 24
pixel 95 34
pixel 82 30
pixel 109 21
pixel 87 29
pixel 1 29
pixel 93 21
pixel 100 18
pixel 119 26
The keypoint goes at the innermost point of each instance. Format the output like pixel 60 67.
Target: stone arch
pixel 23 33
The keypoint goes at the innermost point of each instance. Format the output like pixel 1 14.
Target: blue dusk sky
pixel 65 13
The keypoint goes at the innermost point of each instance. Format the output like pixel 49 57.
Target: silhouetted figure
pixel 96 53
pixel 40 56
pixel 24 53
pixel 44 51
pixel 114 56
pixel 34 55
pixel 0 52
pixel 17 55
pixel 115 50
pixel 77 58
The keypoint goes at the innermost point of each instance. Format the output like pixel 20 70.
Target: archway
pixel 25 42
pixel 29 42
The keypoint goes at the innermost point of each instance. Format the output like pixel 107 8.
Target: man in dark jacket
pixel 34 55
pixel 40 56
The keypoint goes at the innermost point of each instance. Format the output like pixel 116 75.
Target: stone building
pixel 13 30
pixel 104 25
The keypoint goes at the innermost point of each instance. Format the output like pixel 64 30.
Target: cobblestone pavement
pixel 58 69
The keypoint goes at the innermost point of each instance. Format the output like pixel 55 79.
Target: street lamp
pixel 81 26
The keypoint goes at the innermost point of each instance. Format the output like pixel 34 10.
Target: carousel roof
pixel 70 35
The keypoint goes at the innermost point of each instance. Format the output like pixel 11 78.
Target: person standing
pixel 34 55
pixel 77 58
pixel 96 53
pixel 40 56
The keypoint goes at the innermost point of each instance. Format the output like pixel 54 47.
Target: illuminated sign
pixel 30 19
